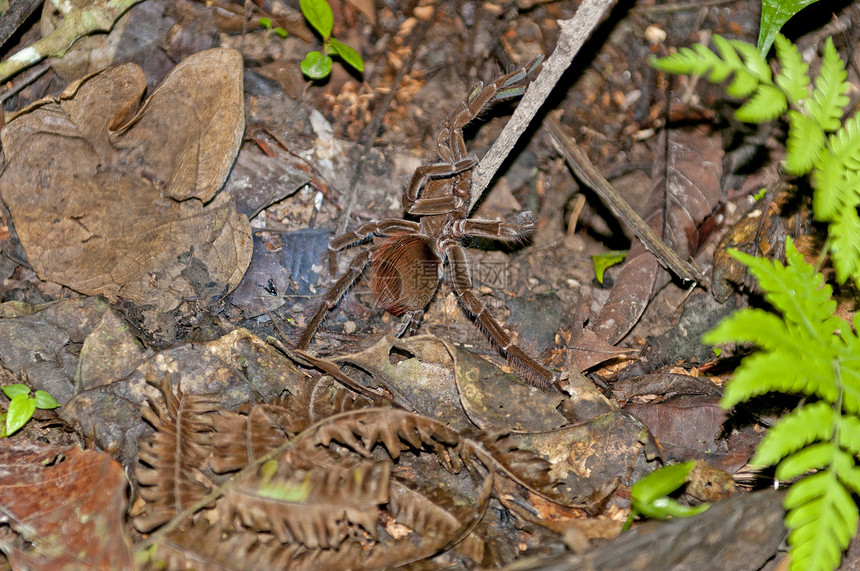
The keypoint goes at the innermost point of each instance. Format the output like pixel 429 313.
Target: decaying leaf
pixel 67 506
pixel 419 370
pixel 686 190
pixel 40 342
pixel 494 401
pixel 592 459
pixel 109 197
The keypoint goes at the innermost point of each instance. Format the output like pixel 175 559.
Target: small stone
pixel 349 327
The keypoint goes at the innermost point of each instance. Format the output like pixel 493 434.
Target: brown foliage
pixel 312 491
pixel 66 505
pixel 113 197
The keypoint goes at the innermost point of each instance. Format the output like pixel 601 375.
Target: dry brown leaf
pixel 67 505
pixel 99 190
pixel 686 190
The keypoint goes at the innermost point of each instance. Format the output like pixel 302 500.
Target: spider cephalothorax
pixel 407 256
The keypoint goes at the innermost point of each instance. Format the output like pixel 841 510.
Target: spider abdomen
pixel 405 273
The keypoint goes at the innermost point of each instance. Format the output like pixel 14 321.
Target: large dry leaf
pixel 111 199
pixel 67 505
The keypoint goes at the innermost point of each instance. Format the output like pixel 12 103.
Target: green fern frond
pixel 819 442
pixel 797 291
pixel 832 193
pixel 794 431
pixel 752 326
pixel 821 529
pixel 845 144
pixel 766 104
pixel 845 245
pixel 753 60
pixel 813 457
pixel 849 371
pixel 848 430
pixel 828 97
pixel 698 60
pixel 793 76
pixel 747 68
pixel 746 77
pixel 806 140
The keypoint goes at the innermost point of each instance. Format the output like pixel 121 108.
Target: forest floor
pixel 162 260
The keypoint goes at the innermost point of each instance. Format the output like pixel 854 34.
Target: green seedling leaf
pixel 661 482
pixel 774 15
pixel 280 32
pixel 760 194
pixel 12 391
pixel 347 54
pixel 266 22
pixel 649 494
pixel 21 410
pixel 606 260
pixel 316 65
pixel 45 401
pixel 320 16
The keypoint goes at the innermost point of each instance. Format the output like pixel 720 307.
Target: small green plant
pixel 278 31
pixel 809 351
pixel 649 496
pixel 606 260
pixel 819 144
pixel 317 65
pixel 22 406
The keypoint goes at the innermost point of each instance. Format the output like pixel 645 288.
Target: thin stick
pixel 574 32
pixel 578 161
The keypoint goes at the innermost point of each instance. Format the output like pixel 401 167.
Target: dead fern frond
pixel 238 439
pixel 205 546
pixel 396 429
pixel 170 474
pixel 317 508
pixel 525 467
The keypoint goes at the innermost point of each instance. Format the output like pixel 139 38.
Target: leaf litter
pixel 398 452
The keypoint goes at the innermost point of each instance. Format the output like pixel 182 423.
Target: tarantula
pixel 407 256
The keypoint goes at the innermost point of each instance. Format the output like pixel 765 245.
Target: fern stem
pixel 822 256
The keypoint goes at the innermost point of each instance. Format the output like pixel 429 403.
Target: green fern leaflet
pixel 820 142
pixel 810 351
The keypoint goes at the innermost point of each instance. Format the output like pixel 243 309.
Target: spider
pixel 407 256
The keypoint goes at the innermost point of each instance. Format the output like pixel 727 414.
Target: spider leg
pixel 365 231
pixel 535 373
pixel 334 295
pixel 508 231
pixel 450 144
pixel 409 322
pixel 424 175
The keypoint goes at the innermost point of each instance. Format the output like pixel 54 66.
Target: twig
pixel 24 81
pixel 100 16
pixel 578 161
pixel 574 32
